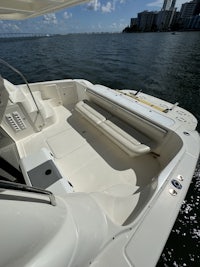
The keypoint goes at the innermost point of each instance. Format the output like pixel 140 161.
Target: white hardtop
pixel 22 9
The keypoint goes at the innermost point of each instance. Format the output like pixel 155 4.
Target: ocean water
pixel 160 64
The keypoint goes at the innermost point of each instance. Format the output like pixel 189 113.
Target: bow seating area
pixel 104 121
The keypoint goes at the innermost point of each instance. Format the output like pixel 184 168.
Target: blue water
pixel 161 64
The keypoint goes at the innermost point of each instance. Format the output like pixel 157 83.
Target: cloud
pixel 110 6
pixel 9 27
pixel 94 5
pixel 107 8
pixel 67 15
pixel 99 26
pixel 157 3
pixel 113 25
pixel 15 28
pixel 118 1
pixel 117 26
pixel 50 19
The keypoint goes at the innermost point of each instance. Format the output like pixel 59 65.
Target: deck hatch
pixel 44 175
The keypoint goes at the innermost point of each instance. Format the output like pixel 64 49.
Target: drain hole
pixel 176 184
pixel 48 172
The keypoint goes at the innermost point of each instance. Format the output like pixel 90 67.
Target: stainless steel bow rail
pixel 26 188
pixel 29 89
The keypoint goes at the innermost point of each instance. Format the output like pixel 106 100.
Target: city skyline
pixel 94 16
pixel 168 18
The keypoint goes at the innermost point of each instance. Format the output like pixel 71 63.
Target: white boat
pixel 90 176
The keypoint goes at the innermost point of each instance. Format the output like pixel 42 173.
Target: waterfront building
pixel 173 5
pixel 166 5
pixel 168 18
pixel 147 20
pixel 134 22
pixel 192 23
pixel 164 20
pixel 189 15
pixel 175 21
pixel 188 9
pixel 195 22
pixel 197 9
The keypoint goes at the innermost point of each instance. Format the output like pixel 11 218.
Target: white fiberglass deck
pixel 89 160
pixel 96 140
pixel 94 164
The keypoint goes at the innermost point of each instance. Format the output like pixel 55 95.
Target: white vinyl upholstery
pixel 117 135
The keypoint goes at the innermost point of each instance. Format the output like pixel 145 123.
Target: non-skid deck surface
pixel 89 160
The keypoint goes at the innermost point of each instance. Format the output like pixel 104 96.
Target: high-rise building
pixel 164 20
pixel 197 8
pixel 188 9
pixel 189 15
pixel 166 5
pixel 146 20
pixel 166 15
pixel 173 5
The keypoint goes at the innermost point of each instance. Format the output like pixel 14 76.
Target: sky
pixel 93 16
